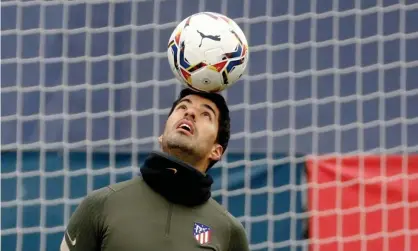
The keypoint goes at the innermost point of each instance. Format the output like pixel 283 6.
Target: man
pixel 168 207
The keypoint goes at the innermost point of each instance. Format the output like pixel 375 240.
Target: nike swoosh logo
pixel 173 169
pixel 69 238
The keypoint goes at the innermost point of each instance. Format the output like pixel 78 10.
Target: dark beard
pixel 183 152
pixel 180 148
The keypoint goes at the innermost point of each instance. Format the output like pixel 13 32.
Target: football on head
pixel 208 52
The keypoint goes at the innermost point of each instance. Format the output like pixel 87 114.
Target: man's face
pixel 191 130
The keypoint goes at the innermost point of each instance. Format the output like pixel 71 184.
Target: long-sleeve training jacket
pixel 167 208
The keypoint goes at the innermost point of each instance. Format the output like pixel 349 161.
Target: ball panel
pixel 214 56
pixel 183 62
pixel 218 67
pixel 206 79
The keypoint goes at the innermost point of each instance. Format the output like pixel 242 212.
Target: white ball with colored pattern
pixel 208 52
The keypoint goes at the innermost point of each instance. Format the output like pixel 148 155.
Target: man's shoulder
pixel 104 193
pixel 237 233
pixel 232 220
pixel 127 184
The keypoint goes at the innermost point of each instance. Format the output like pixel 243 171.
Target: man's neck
pixel 197 163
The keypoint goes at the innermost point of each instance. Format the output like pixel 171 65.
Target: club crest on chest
pixel 202 233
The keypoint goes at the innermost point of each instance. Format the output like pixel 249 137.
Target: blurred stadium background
pixel 86 88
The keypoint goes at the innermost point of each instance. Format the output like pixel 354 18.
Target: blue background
pixel 323 82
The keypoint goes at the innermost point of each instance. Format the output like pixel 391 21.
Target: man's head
pixel 197 129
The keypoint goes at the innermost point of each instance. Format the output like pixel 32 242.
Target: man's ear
pixel 160 139
pixel 216 152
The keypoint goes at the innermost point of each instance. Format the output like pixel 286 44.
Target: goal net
pixel 86 88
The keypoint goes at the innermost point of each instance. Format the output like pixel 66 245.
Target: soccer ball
pixel 208 52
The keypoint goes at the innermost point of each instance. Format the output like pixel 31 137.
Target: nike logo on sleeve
pixel 64 243
pixel 69 238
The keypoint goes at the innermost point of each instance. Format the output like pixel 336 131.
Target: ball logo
pixel 212 37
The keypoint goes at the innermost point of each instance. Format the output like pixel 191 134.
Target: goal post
pixel 86 88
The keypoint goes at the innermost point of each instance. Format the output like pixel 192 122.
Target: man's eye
pixel 206 114
pixel 181 107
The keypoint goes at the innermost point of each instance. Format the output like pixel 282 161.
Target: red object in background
pixel 363 203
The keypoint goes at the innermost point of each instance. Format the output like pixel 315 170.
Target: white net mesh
pixel 84 80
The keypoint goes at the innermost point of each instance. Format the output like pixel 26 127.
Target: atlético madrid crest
pixel 201 233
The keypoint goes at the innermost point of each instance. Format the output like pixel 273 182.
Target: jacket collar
pixel 175 180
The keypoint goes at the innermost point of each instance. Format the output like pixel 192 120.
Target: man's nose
pixel 191 113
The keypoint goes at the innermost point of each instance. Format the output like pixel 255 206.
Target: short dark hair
pixel 224 121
